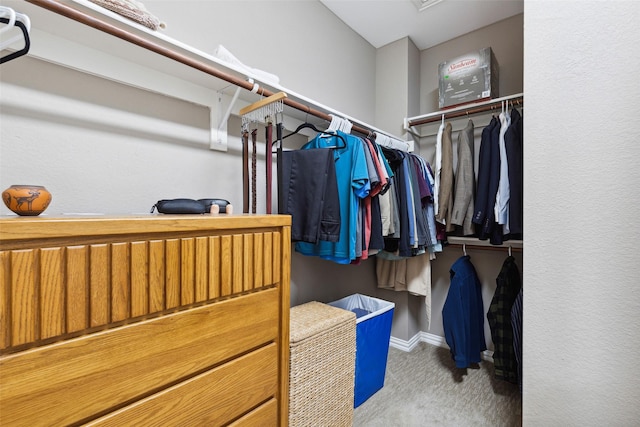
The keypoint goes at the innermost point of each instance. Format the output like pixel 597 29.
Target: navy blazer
pixel 488 180
pixel 484 162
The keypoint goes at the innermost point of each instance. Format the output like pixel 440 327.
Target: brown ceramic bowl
pixel 26 200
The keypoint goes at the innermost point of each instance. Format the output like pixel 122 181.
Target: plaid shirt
pixel 508 284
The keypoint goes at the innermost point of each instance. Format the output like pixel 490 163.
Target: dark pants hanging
pixel 310 192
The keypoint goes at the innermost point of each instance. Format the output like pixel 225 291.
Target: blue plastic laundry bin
pixel 373 332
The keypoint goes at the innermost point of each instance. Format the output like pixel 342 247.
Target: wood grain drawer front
pixel 50 292
pixel 70 381
pixel 211 399
pixel 265 415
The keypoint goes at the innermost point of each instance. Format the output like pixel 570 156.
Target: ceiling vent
pixel 425 4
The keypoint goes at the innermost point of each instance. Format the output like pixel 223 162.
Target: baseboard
pixel 405 345
pixel 428 338
pixel 433 339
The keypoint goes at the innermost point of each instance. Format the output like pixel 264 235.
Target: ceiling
pixel 381 22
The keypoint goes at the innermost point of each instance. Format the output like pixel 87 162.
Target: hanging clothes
pixel 409 226
pixel 380 184
pixel 463 314
pixel 445 192
pixel 420 223
pixel 501 206
pixel 488 181
pixel 376 182
pixel 508 285
pixel 465 182
pixel 435 245
pixel 385 195
pixel 386 212
pixel 411 203
pixel 353 184
pixel 438 169
pixel 411 275
pixel 425 198
pixel 400 245
pixel 516 325
pixel 310 193
pixel 513 143
pixel 376 242
pixel 484 172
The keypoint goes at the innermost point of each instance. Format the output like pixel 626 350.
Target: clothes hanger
pixel 27 41
pixel 13 19
pixel 312 127
pixel 20 17
pixel 346 126
pixel 11 14
pixel 339 124
pixel 334 125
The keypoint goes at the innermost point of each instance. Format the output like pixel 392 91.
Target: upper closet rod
pixel 464 110
pixel 96 23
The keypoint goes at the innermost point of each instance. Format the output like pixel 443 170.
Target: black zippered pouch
pixel 188 206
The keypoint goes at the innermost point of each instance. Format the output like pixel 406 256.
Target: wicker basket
pixel 322 368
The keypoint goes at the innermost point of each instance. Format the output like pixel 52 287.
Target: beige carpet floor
pixel 424 388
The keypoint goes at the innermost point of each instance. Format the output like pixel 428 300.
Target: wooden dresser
pixel 164 320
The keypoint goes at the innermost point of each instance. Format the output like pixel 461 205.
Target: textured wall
pixel 103 147
pixel 304 43
pixel 582 169
pixel 130 147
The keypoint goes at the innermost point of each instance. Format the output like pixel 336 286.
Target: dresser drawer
pixel 264 415
pixel 73 380
pixel 212 398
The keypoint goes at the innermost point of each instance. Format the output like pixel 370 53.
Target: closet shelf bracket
pixel 218 138
pixel 87 13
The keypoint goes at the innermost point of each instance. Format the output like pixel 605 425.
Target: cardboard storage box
pixel 468 78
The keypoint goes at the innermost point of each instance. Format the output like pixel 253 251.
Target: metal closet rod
pixel 96 23
pixel 475 243
pixel 501 248
pixel 465 110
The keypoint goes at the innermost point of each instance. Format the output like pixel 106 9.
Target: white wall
pixel 302 42
pixel 103 147
pixel 582 170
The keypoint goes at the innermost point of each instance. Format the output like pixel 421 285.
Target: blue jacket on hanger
pixel 463 314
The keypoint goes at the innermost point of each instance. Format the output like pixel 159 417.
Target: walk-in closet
pixel 112 315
